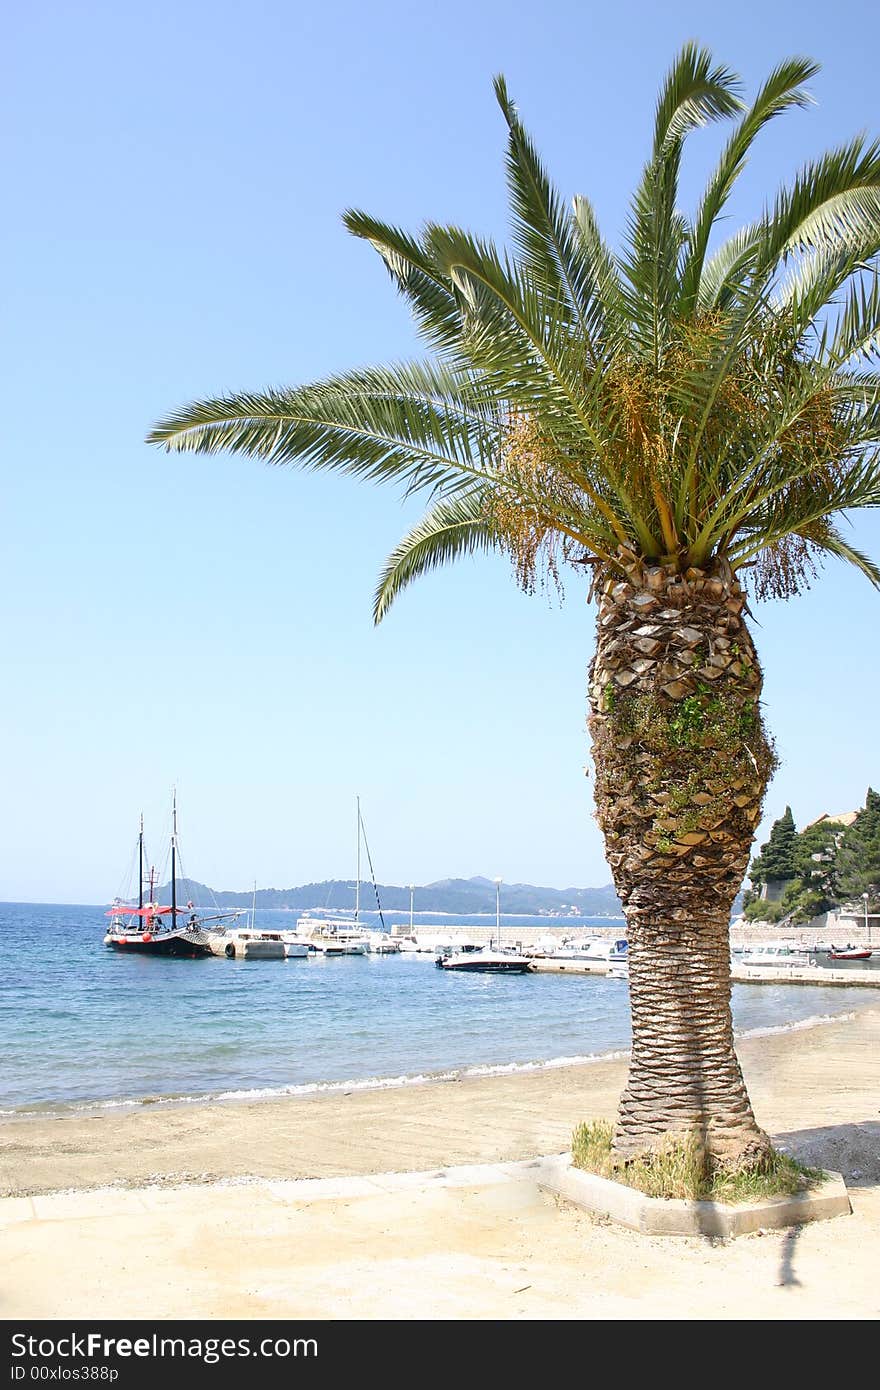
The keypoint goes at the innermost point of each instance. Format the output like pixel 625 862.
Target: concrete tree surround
pixel 662 1217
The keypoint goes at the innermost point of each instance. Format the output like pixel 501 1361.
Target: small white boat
pixel 496 962
pixel 246 944
pixel 294 947
pixel 573 948
pixel 772 953
pixel 600 949
pixel 382 943
pixel 262 943
pixel 427 946
pixel 333 939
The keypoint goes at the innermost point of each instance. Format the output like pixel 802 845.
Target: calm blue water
pixel 80 1024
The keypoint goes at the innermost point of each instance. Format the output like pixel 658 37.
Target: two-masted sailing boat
pixel 157 930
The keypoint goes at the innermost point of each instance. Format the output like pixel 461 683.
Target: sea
pixel 84 1028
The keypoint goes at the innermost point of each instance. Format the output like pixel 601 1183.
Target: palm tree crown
pixel 678 403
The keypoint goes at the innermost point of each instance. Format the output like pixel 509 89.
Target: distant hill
pixel 454 895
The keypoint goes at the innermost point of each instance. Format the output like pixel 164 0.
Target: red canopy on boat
pixel 124 911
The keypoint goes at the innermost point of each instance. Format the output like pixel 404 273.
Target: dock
pixel 740 974
pixel 806 975
pixel 546 965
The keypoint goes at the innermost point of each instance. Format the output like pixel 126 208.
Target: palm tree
pixel 677 421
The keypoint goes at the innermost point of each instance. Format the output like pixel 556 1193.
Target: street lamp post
pixel 411 892
pixel 867 921
pixel 498 911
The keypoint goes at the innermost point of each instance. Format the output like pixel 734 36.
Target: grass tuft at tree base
pixel 679 1170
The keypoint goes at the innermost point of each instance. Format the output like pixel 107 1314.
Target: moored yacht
pixel 342 934
pixel 382 943
pixel 331 938
pixel 600 949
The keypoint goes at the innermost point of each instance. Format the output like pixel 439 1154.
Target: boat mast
pixel 141 866
pixel 357 889
pixel 174 858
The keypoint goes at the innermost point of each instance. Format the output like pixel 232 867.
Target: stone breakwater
pixel 511 934
pixel 741 934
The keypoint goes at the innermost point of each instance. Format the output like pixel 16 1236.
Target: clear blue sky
pixel 174 178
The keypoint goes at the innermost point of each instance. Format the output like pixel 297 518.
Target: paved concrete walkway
pixel 474 1242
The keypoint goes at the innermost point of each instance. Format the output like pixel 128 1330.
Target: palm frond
pixel 456 526
pixel 413 272
pixel 858 332
pixel 609 299
pixel 782 91
pixel 693 94
pixel 511 330
pixel 547 237
pixel 832 205
pixel 834 543
pixel 724 275
pixel 412 424
pixel 799 510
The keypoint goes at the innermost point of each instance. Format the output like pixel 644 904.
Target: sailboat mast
pixel 141 865
pixel 174 860
pixel 357 889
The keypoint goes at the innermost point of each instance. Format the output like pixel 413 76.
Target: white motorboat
pixel 330 938
pixel 382 943
pixel 572 948
pixel 599 949
pixel 772 953
pixel 496 962
pixel 426 946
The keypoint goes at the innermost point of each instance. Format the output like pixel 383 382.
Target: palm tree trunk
pixel 682 763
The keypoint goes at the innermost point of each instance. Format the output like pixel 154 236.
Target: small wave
pixel 504 1068
pixel 388 1083
pixel 48 1110
pixel 799 1025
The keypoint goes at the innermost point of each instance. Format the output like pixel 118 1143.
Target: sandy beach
pixel 203 1200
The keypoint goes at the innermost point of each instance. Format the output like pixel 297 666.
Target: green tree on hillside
pixel 672 420
pixel 778 857
pixel 816 858
pixel 858 855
